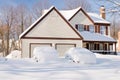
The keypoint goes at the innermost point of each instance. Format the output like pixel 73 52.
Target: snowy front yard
pixel 107 67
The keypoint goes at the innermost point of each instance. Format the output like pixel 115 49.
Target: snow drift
pixel 80 55
pixel 16 54
pixel 44 54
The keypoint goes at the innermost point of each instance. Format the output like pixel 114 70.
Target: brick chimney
pixel 102 12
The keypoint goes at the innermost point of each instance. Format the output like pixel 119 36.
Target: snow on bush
pixel 16 54
pixel 44 54
pixel 80 55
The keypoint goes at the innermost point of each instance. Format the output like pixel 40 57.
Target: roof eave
pixel 99 41
pixel 105 24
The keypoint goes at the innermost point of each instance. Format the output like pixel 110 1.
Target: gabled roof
pixel 42 17
pixel 97 19
pixel 89 36
pixel 93 17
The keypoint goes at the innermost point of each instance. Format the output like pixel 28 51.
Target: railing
pixel 104 52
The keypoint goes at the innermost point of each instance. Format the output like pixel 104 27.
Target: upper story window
pixel 79 27
pixel 102 29
pixel 91 28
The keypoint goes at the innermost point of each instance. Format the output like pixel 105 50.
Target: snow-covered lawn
pixel 107 67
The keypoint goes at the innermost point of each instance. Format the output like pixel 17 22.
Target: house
pixel 51 29
pixel 94 29
pixel 64 29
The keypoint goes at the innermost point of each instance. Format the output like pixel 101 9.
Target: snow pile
pixel 118 53
pixel 16 54
pixel 44 54
pixel 2 59
pixel 80 55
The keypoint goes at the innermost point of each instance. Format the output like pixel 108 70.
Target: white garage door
pixel 62 48
pixel 33 45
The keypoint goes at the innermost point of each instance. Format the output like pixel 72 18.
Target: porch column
pixel 108 46
pixel 103 46
pixel 114 47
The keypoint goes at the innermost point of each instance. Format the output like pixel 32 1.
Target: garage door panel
pixel 33 45
pixel 62 48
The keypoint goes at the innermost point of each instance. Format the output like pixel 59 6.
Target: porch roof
pixel 90 36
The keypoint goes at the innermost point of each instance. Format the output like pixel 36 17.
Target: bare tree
pixel 38 7
pixel 2 44
pixel 8 19
pixel 22 19
pixel 21 16
pixel 114 12
pixel 72 4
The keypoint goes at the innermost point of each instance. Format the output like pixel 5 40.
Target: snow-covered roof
pixel 97 19
pixel 89 36
pixel 67 13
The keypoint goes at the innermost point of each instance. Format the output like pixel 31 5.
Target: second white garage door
pixel 62 48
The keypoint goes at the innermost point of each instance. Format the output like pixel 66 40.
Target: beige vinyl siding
pixel 53 26
pixel 80 18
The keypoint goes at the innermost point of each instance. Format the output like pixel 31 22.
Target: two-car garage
pixel 60 47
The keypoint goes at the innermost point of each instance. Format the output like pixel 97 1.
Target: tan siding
pixel 80 18
pixel 52 26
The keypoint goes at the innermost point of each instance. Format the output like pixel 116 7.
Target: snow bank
pixel 14 54
pixel 2 59
pixel 80 55
pixel 44 54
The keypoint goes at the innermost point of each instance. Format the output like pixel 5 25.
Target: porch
pixel 101 47
pixel 104 52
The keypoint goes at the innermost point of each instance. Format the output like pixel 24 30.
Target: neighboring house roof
pixel 42 17
pixel 89 36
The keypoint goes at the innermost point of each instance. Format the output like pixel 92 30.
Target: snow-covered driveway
pixel 106 68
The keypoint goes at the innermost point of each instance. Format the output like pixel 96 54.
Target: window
pixel 79 27
pixel 76 26
pixel 91 28
pixel 102 29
